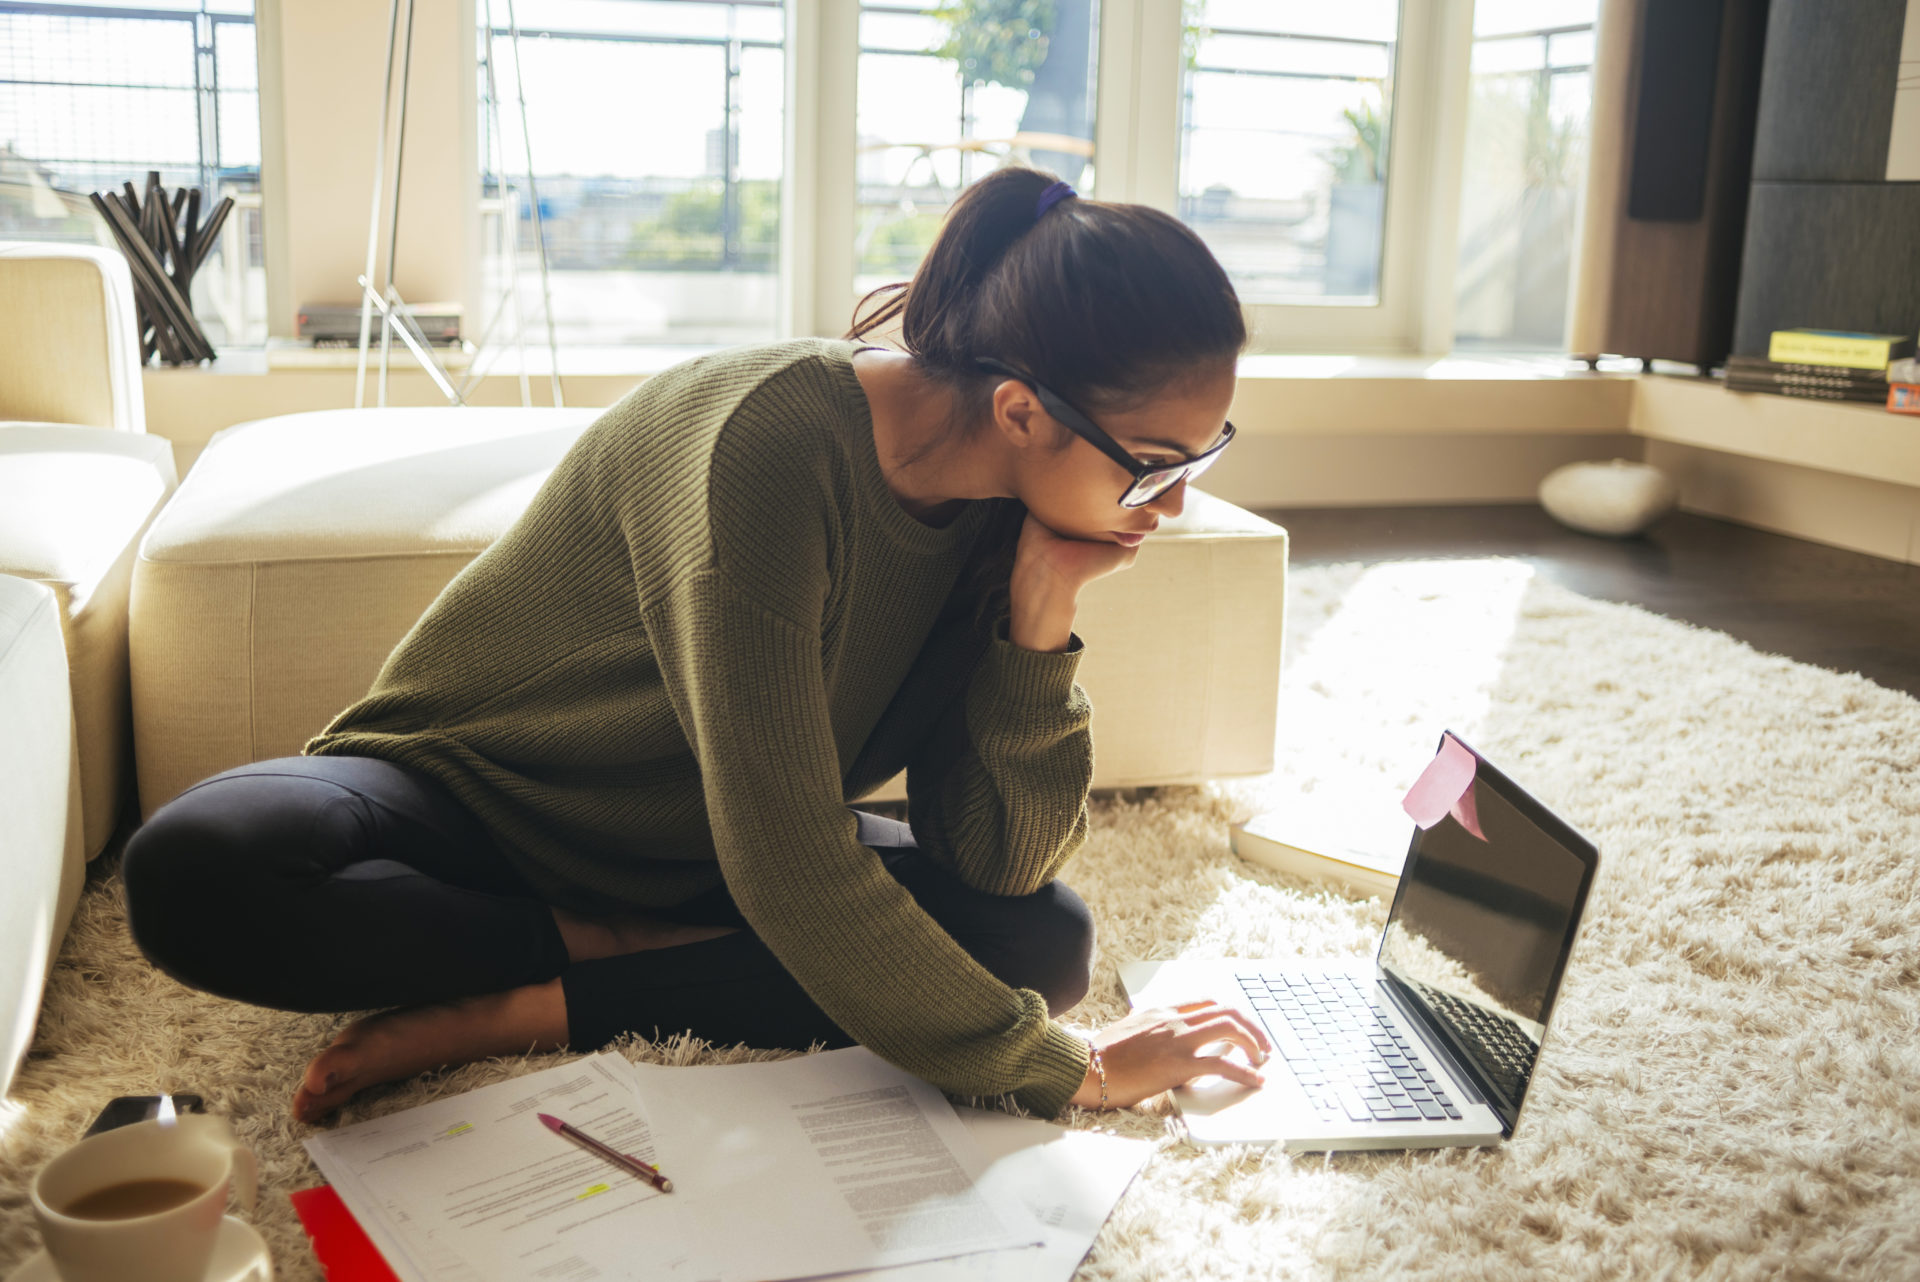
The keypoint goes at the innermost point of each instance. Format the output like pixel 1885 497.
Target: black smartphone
pixel 128 1109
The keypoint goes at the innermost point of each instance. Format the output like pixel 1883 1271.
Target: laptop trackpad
pixel 1213 1094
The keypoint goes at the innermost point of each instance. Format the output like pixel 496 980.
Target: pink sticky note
pixel 1445 788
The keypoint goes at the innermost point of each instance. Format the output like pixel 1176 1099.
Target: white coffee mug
pixel 172 1245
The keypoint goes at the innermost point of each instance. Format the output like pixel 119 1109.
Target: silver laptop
pixel 1433 1043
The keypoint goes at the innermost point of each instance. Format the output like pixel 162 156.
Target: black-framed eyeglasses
pixel 1150 480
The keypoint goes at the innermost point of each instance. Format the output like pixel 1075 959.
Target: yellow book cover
pixel 1836 347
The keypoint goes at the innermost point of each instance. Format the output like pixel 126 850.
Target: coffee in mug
pixel 142 1201
pixel 131 1198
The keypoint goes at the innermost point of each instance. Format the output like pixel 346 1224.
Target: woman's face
pixel 1074 489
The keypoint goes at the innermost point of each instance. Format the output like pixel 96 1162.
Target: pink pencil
pixel 646 1171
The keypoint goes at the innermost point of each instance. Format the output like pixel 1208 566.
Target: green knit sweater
pixel 714 627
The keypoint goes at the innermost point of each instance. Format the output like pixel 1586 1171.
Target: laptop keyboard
pixel 1344 1050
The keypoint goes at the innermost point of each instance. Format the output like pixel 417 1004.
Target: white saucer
pixel 239 1255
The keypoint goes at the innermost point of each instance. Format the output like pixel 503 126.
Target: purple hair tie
pixel 1051 197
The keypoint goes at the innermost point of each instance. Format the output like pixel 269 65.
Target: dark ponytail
pixel 1108 304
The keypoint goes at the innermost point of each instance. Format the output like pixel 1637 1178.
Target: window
pixel 1286 116
pixel 949 93
pixel 96 96
pixel 656 131
pixel 1306 158
pixel 1524 171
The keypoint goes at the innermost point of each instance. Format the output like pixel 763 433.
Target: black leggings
pixel 348 883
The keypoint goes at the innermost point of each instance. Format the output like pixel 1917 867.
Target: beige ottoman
pixel 42 863
pixel 300 550
pixel 74 502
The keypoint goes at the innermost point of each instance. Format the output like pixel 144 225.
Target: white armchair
pixel 80 480
pixel 69 349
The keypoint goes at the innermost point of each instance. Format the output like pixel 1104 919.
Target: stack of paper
pixel 829 1163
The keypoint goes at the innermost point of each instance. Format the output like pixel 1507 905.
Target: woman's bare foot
pixel 589 938
pixel 401 1043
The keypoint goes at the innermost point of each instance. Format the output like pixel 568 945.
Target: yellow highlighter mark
pixel 592 1190
pixel 455 1130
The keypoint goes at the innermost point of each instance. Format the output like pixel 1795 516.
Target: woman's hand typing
pixel 1158 1048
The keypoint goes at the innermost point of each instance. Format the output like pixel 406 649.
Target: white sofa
pixel 300 549
pixel 80 480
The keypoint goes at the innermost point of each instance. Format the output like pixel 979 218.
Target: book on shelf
pixel 1865 394
pixel 1904 398
pixel 1842 348
pixel 1351 849
pixel 1759 367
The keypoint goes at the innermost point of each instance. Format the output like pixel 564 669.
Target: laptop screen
pixel 1480 930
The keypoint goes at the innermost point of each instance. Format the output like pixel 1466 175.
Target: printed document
pixel 473 1188
pixel 819 1164
pixel 824 1163
pixel 1069 1180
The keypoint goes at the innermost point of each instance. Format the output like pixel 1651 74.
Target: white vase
pixel 1617 499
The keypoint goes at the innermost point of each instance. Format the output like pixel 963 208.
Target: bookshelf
pixel 1833 436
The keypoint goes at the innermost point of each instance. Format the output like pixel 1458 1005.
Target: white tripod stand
pixel 395 317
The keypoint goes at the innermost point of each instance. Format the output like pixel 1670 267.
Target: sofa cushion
pixel 77 499
pixel 74 502
pixel 362 483
pixel 298 552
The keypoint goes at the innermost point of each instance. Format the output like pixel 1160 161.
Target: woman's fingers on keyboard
pixel 1224 1029
pixel 1253 1025
pixel 1259 1045
pixel 1232 1070
pixel 1206 1010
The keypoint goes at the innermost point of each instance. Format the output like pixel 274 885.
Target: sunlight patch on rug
pixel 1424 639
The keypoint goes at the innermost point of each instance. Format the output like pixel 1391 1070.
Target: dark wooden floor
pixel 1820 605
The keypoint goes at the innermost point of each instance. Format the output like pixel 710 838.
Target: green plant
pixel 999 42
pixel 899 242
pixel 1551 146
pixel 1193 28
pixel 1363 157
pixel 688 230
pixel 1511 114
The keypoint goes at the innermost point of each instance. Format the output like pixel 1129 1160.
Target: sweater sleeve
pixel 998 790
pixel 747 685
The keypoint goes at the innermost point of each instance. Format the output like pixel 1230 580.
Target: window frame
pixel 1413 311
pixel 1137 158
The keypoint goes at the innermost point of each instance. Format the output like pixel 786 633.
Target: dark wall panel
pixel 1826 108
pixel 1829 256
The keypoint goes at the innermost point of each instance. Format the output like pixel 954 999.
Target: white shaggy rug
pixel 1732 1089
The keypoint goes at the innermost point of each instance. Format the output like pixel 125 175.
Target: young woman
pixel 601 786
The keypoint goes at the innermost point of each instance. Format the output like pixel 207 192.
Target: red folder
pixel 345 1252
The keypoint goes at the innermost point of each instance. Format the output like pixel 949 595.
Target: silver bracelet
pixel 1100 1068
